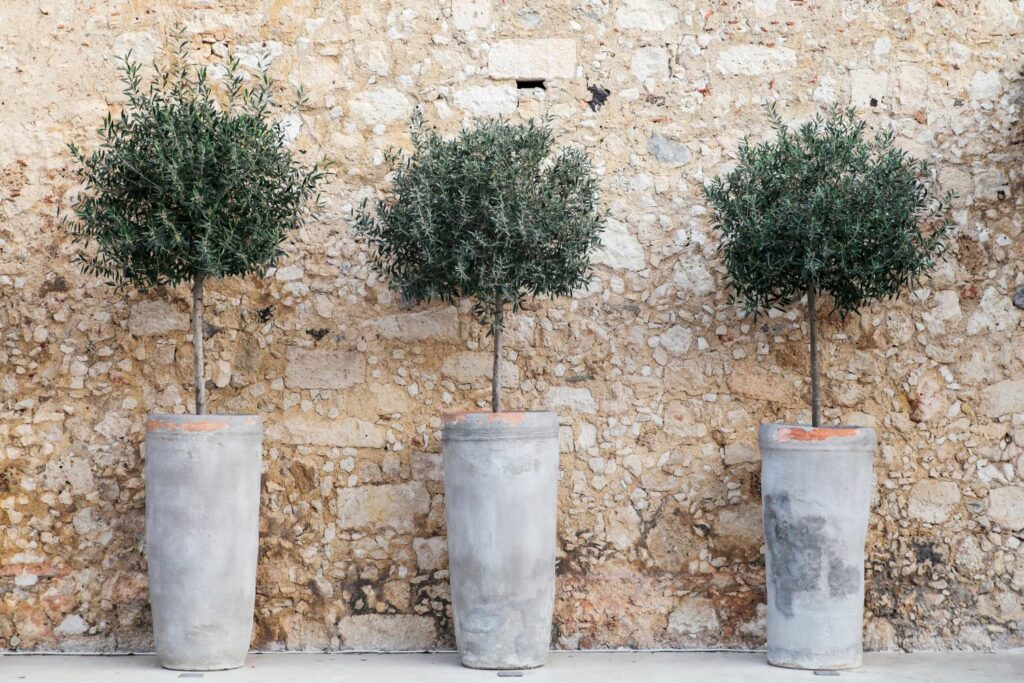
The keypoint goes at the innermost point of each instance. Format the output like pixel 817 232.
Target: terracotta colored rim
pixel 506 417
pixel 815 433
pixel 200 424
pixel 487 426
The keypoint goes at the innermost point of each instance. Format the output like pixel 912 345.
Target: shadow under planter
pixel 816 485
pixel 501 487
pixel 202 536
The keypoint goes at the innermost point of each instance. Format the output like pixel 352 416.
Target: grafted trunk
pixel 197 344
pixel 498 325
pixel 815 385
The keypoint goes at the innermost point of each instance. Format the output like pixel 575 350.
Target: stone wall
pixel 659 382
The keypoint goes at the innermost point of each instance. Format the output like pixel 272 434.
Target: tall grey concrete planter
pixel 816 488
pixel 202 536
pixel 501 487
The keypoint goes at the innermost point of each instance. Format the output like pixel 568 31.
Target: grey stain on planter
pixel 802 547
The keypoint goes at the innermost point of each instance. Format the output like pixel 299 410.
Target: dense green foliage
pixel 490 215
pixel 829 207
pixel 187 184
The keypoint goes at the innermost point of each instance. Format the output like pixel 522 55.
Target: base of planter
pixel 816 488
pixel 202 537
pixel 501 488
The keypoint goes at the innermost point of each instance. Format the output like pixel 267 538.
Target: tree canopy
pixel 492 215
pixel 828 206
pixel 188 183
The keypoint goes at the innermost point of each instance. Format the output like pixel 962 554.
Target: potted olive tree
pixel 492 215
pixel 188 185
pixel 824 209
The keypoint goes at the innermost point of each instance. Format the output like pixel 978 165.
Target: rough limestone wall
pixel 659 382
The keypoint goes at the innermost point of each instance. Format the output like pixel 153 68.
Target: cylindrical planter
pixel 816 489
pixel 501 488
pixel 202 536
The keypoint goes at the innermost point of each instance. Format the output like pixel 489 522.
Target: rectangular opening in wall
pixel 529 85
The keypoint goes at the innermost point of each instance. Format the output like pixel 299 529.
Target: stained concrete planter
pixel 816 488
pixel 501 483
pixel 202 536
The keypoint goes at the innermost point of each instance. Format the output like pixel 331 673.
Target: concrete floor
pixel 586 667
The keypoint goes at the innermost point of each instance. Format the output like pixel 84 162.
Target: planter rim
pixel 510 425
pixel 506 416
pixel 805 436
pixel 190 424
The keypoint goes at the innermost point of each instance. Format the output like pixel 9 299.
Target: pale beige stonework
pixel 659 382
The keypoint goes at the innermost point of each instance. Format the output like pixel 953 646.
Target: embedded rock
pixel 932 500
pixel 309 369
pixel 1006 507
pixel 302 429
pixel 754 60
pixel 668 151
pixel 156 318
pixel 392 506
pixel 535 59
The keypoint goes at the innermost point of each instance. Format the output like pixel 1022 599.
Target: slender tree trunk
pixel 812 314
pixel 197 344
pixel 499 323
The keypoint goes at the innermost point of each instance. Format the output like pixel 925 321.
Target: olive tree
pixel 825 208
pixel 189 183
pixel 493 215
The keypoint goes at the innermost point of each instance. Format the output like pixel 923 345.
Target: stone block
pixel 323 369
pixel 435 324
pixel 676 339
pixel 576 399
pixel 487 100
pixel 672 542
pixel 913 83
pixel 868 88
pixel 471 14
pixel 650 62
pixel 754 60
pixel 691 276
pixel 1006 507
pixel 624 528
pixel 427 467
pixel 694 617
pixel 310 429
pixel 157 318
pixel 750 380
pixel 668 151
pixel 532 59
pixel 738 453
pixel 386 506
pixel 646 15
pixel 380 105
pixel 739 531
pixel 431 553
pixel 372 632
pixel 467 367
pixel 620 249
pixel 1003 398
pixel 932 500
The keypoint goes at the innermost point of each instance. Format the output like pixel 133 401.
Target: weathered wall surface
pixel 659 383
